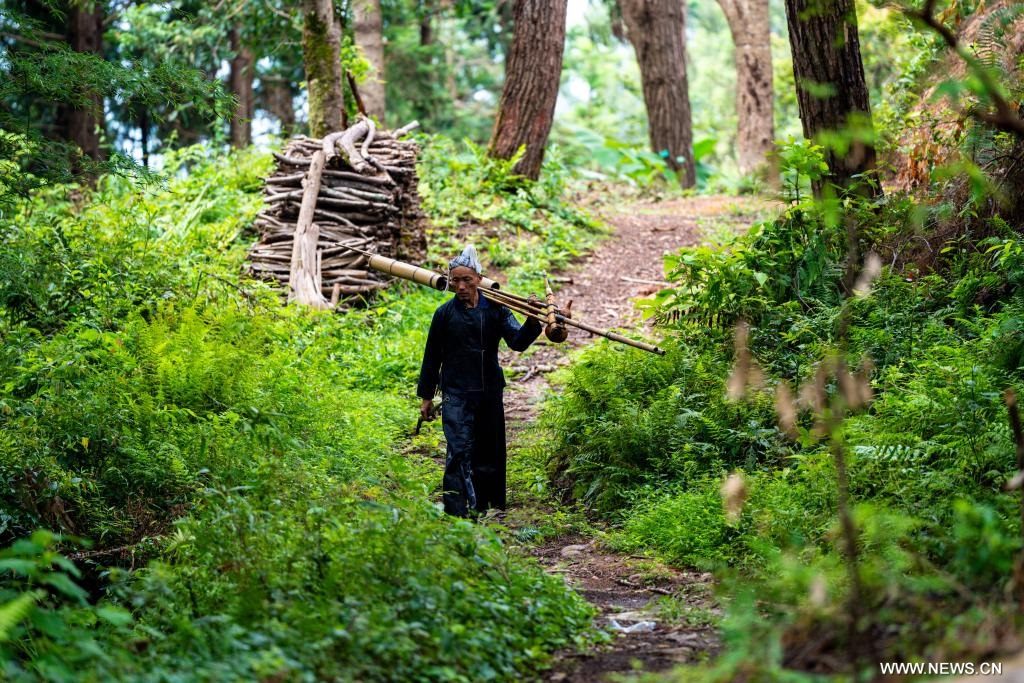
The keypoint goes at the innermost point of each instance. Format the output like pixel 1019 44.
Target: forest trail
pixel 629 591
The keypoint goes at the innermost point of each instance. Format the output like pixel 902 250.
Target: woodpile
pixel 353 188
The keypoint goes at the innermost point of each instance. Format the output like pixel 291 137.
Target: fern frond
pixel 13 612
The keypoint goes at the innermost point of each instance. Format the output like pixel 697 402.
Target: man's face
pixel 464 281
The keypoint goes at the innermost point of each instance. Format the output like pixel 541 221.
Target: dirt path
pixel 661 616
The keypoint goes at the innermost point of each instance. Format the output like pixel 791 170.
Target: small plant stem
pixel 1018 439
pixel 855 603
pixel 856 606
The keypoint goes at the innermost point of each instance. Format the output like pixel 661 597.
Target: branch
pixel 1005 118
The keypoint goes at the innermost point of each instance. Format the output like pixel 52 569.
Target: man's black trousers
pixel 474 473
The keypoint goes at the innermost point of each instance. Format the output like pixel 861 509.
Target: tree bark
pixel 278 99
pixel 533 69
pixel 368 27
pixel 321 53
pixel 85 34
pixel 751 35
pixel 831 91
pixel 240 81
pixel 657 30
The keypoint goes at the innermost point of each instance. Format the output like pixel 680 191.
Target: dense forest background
pixel 202 481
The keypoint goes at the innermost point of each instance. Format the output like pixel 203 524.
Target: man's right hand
pixel 427 410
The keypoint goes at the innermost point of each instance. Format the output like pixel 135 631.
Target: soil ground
pixel 660 616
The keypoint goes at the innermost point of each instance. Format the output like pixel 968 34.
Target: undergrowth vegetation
pixel 647 441
pixel 227 472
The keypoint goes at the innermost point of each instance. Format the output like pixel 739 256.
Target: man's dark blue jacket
pixel 462 347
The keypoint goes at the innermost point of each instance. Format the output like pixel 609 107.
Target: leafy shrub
pixel 47 629
pixel 781 266
pixel 354 588
pixel 687 527
pixel 526 228
pixel 625 418
pixel 634 164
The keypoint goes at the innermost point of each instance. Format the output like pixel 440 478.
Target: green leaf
pixel 66 586
pixel 118 616
pixel 67 565
pixel 703 148
pixel 49 623
pixel 18 566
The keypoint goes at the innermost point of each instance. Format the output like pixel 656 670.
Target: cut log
pixel 304 277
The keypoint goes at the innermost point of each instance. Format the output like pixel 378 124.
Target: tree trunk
pixel 533 69
pixel 85 34
pixel 368 27
pixel 751 35
pixel 426 25
pixel 242 72
pixel 321 53
pixel 831 91
pixel 657 30
pixel 278 99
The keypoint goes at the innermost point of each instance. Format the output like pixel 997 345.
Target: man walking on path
pixel 461 356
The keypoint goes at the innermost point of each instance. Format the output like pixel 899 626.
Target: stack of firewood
pixel 355 188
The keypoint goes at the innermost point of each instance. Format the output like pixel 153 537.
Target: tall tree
pixel 426 18
pixel 368 28
pixel 657 30
pixel 56 81
pixel 321 53
pixel 241 79
pixel 277 98
pixel 751 35
pixel 533 69
pixel 831 92
pixel 84 119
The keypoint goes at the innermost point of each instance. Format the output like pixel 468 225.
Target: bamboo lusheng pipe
pixel 512 301
pixel 608 334
pixel 540 314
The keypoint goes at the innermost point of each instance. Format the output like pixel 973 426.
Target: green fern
pixel 15 611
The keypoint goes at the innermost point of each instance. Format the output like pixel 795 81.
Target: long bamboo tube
pixel 407 271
